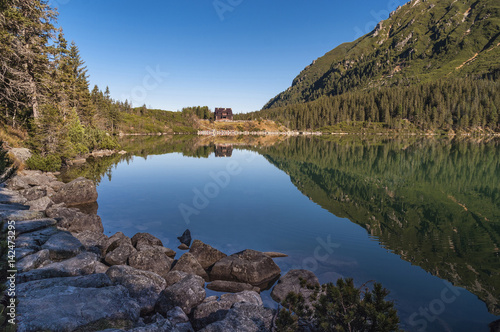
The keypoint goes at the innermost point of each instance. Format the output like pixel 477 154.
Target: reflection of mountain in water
pixel 434 203
pixel 223 150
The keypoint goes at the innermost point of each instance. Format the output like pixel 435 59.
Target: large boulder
pixel 75 221
pixel 40 204
pixel 231 286
pixel 34 240
pixel 174 276
pixel 153 260
pixel 167 251
pixel 33 261
pixel 120 255
pixel 37 192
pixel 213 310
pixel 143 286
pixel 187 294
pixel 205 254
pixel 62 246
pixel 98 280
pixel 244 317
pixel 93 241
pixel 68 308
pixel 248 266
pixel 82 264
pixel 145 239
pixel 187 263
pixel 301 282
pixel 116 240
pixel 21 154
pixel 27 226
pixel 78 191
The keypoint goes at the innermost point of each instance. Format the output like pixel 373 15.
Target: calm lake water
pixel 420 216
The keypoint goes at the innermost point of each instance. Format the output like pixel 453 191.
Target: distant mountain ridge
pixel 422 41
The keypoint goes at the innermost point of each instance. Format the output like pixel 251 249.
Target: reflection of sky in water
pixel 261 209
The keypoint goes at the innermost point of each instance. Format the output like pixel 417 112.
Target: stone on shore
pixel 248 266
pixel 82 264
pixel 62 246
pixel 40 204
pixel 75 221
pixel 27 226
pixel 11 197
pixel 38 192
pixel 187 294
pixel 167 251
pixel 120 255
pixel 98 280
pixel 153 260
pixel 93 241
pixel 301 282
pixel 33 261
pixel 187 263
pixel 245 317
pixel 231 286
pixel 174 276
pixel 215 310
pixel 145 239
pixel 68 308
pixel 78 191
pixel 205 254
pixel 34 240
pixel 274 254
pixel 143 286
pixel 19 215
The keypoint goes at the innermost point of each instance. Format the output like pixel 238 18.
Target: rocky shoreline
pixel 72 277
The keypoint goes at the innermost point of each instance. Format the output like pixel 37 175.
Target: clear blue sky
pixel 222 53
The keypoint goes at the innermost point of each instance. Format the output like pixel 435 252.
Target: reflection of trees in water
pixel 433 202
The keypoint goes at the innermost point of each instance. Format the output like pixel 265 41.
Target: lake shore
pixel 66 265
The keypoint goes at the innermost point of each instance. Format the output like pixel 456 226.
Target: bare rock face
pixel 74 220
pixel 213 310
pixel 187 294
pixel 153 260
pixel 205 254
pixel 78 191
pixel 187 263
pixel 301 282
pixel 143 286
pixel 248 266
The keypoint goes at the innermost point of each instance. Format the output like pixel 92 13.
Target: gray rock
pixel 11 196
pixel 185 238
pixel 82 264
pixel 120 255
pixel 159 324
pixel 231 286
pixel 177 315
pixel 17 183
pixel 115 241
pixel 34 240
pixel 93 241
pixel 19 215
pixel 23 252
pixel 40 204
pixel 33 261
pixel 35 178
pixel 187 263
pixel 101 268
pixel 37 192
pixel 13 207
pixel 212 311
pixel 205 254
pixel 248 266
pixel 26 226
pixel 21 154
pixel 140 239
pixel 187 294
pixel 68 308
pixel 153 260
pixel 244 317
pixel 89 281
pixel 274 254
pixel 301 282
pixel 143 286
pixel 56 185
pixel 78 191
pixel 74 220
pixel 182 246
pixel 174 276
pixel 62 246
pixel 167 251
